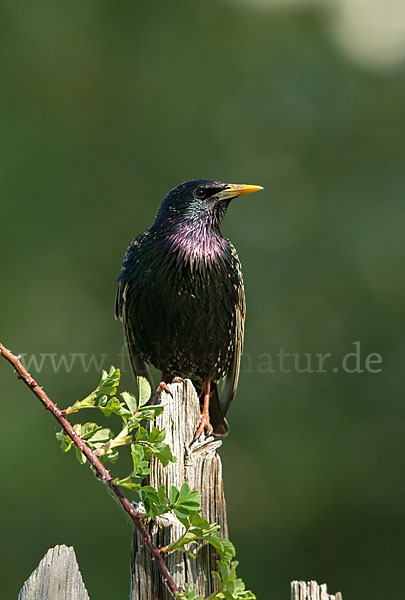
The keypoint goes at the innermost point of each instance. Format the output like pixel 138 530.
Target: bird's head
pixel 201 200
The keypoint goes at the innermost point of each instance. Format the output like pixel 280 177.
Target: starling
pixel 181 298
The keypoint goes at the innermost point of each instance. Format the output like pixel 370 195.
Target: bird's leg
pixel 162 387
pixel 205 424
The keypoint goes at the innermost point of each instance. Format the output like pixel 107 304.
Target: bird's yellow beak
pixel 233 190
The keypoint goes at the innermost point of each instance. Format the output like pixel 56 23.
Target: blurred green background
pixel 105 106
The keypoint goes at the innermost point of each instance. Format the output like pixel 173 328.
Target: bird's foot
pixel 177 380
pixel 162 387
pixel 205 425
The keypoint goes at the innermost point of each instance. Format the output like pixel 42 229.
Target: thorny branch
pixel 99 469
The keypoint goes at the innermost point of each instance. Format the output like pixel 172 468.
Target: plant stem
pixel 168 548
pixel 99 469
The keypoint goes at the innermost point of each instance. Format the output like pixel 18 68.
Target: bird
pixel 181 298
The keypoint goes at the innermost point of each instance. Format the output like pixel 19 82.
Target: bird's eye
pixel 200 193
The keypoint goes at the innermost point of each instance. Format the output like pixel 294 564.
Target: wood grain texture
pixel 199 465
pixel 57 577
pixel 311 590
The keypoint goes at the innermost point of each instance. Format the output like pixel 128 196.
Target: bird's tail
pixel 218 421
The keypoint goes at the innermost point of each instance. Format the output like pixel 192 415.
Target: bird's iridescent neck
pixel 195 240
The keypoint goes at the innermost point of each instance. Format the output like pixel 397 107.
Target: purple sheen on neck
pixel 193 240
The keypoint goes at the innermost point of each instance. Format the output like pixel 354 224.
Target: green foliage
pixel 132 412
pixel 230 587
pixel 107 387
pixel 144 442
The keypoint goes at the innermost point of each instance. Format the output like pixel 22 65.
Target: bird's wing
pixel 139 367
pixel 119 299
pixel 122 279
pixel 231 379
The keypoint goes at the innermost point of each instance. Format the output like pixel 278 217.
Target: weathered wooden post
pixel 200 466
pixel 57 577
pixel 311 590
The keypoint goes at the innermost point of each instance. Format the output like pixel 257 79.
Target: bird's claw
pixel 205 425
pixel 162 387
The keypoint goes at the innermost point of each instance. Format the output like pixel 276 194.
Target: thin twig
pixel 99 469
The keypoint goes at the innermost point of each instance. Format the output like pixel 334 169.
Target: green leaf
pixel 137 455
pixel 182 513
pixel 113 406
pixel 150 412
pixel 150 499
pixel 111 456
pixel 122 439
pixel 186 494
pixel 109 382
pixel 162 495
pixel 108 385
pixel 141 466
pixel 173 494
pixel 144 390
pixel 188 500
pixel 199 522
pixel 129 483
pixel 189 504
pixel 184 520
pixel 149 492
pixel 203 533
pixel 101 435
pixel 86 430
pixel 230 587
pixel 65 441
pixel 188 595
pixel 163 453
pixel 224 571
pixel 130 401
pixel 241 592
pixel 225 548
pixel 102 401
pixel 80 404
pixel 156 435
pixel 80 456
pixel 141 434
